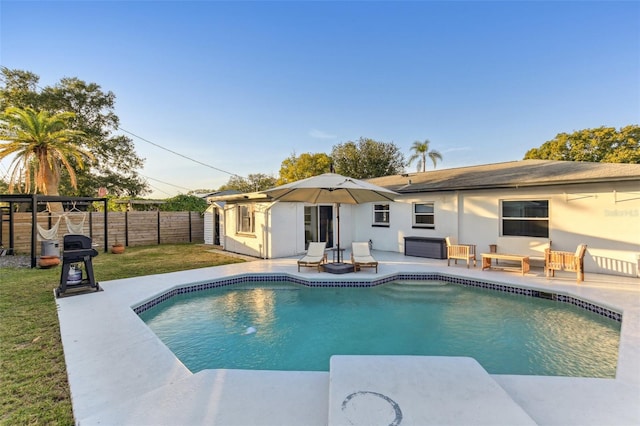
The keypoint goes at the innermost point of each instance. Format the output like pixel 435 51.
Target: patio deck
pixel 120 372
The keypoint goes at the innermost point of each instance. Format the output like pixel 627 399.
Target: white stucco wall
pixel 392 238
pixel 286 226
pixel 279 230
pixel 209 215
pixel 287 233
pixel 606 217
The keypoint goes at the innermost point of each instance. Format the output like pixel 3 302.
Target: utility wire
pixel 177 153
pixel 166 183
pixel 160 190
pixel 168 150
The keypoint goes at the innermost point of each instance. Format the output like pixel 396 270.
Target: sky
pixel 241 86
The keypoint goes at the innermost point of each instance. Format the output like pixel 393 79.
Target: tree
pixel 41 144
pixel 253 183
pixel 116 162
pixel 603 144
pixel 367 159
pixel 306 165
pixel 421 152
pixel 184 203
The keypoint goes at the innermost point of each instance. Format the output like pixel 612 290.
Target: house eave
pixel 238 198
pixel 514 185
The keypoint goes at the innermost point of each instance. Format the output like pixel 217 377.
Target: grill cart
pixel 77 249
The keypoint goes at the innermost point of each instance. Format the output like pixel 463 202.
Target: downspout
pixel 460 210
pixel 223 240
pixel 265 234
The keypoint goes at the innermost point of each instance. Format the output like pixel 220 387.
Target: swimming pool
pixel 284 326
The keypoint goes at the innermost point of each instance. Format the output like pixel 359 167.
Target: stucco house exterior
pixel 520 207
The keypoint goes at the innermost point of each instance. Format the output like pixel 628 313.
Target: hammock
pixel 49 234
pixel 73 227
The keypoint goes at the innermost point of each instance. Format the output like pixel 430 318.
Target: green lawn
pixel 33 376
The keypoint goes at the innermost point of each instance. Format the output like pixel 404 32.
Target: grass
pixel 33 376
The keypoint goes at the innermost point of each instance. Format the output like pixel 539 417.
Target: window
pixel 245 219
pixel 525 218
pixel 424 216
pixel 381 215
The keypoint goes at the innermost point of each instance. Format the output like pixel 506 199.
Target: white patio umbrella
pixel 331 188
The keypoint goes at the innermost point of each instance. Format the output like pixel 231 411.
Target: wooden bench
pixel 523 260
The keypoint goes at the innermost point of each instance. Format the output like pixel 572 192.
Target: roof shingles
pixel 509 175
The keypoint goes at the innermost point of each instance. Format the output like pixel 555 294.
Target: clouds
pixel 319 134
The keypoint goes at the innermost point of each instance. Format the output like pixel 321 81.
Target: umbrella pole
pixel 338 219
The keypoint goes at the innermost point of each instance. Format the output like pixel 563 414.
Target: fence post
pixel 158 227
pixel 190 230
pixel 34 225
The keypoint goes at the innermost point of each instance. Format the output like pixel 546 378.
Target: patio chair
pixel 315 256
pixel 555 260
pixel 361 257
pixel 466 252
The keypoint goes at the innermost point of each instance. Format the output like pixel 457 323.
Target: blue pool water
pixel 283 326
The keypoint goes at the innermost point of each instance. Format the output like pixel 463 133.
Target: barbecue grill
pixel 76 249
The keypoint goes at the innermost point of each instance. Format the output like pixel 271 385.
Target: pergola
pixel 34 200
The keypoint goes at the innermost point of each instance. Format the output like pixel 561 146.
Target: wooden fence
pixel 130 228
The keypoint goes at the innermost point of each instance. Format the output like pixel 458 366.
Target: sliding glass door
pixel 318 224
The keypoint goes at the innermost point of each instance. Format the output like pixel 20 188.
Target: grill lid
pixel 76 242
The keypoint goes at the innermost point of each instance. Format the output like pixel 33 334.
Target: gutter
pixel 265 239
pixel 514 185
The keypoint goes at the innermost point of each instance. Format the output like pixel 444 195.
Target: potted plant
pixel 117 247
pixel 48 261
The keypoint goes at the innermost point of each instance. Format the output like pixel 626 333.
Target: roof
pixel 511 174
pixel 238 197
pixel 216 193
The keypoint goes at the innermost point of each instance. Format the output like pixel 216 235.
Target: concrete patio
pixel 120 373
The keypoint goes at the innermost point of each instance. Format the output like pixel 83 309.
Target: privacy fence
pixel 130 228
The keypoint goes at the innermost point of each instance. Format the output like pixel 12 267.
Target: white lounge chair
pixel 361 257
pixel 315 256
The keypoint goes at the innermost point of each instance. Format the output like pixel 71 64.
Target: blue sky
pixel 242 85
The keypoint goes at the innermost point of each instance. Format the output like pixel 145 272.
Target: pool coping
pixel 105 341
pixel 587 305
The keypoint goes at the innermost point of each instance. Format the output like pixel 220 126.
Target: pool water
pixel 283 326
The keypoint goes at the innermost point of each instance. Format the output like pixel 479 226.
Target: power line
pixel 177 153
pixel 158 189
pixel 169 150
pixel 166 183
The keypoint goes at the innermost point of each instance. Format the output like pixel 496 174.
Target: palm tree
pixel 41 144
pixel 420 152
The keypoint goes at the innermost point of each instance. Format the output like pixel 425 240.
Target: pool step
pixel 358 390
pixel 228 397
pixel 407 290
pixel 417 390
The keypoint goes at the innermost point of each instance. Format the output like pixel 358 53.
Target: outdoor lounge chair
pixel 315 256
pixel 555 260
pixel 466 252
pixel 361 257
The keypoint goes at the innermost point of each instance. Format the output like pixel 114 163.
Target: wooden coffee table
pixel 523 260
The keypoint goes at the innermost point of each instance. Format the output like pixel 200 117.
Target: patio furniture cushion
pixel 361 257
pixel 315 256
pixel 555 260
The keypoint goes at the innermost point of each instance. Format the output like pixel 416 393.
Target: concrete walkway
pixel 121 374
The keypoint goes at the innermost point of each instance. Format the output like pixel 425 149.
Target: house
pixel 212 218
pixel 518 206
